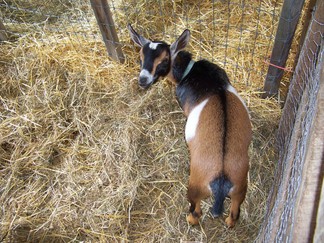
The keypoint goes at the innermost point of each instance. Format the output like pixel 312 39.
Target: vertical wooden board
pixel 107 28
pixel 319 230
pixel 312 177
pixel 290 14
pixel 299 173
pixel 306 62
pixel 306 21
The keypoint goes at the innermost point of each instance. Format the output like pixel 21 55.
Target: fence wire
pixel 293 136
pixel 236 34
pixel 50 21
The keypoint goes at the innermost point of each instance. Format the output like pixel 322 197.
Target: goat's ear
pixel 180 43
pixel 138 39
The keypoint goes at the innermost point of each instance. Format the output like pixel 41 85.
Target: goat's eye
pixel 165 59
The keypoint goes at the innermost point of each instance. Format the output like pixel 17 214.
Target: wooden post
pixel 295 212
pixel 290 14
pixel 306 21
pixel 319 230
pixel 297 87
pixel 308 199
pixel 107 28
pixel 306 208
pixel 3 32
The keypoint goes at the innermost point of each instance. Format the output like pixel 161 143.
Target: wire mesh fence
pixel 294 133
pixel 238 35
pixel 50 22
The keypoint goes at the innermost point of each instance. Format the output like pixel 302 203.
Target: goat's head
pixel 156 56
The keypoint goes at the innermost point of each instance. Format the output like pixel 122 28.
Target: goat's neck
pixel 178 66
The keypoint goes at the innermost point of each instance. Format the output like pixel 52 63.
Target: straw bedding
pixel 85 155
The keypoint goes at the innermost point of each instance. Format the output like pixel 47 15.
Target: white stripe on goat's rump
pixel 193 120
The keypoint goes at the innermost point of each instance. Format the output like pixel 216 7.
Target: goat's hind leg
pixel 237 196
pixel 194 197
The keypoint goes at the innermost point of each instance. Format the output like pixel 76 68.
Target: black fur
pixel 204 79
pixel 150 55
pixel 162 69
pixel 220 188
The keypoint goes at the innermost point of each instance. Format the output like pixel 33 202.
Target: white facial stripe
pixel 193 120
pixel 146 74
pixel 231 89
pixel 153 45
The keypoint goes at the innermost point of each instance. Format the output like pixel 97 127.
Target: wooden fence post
pixel 306 21
pixel 107 28
pixel 3 32
pixel 290 15
pixel 293 213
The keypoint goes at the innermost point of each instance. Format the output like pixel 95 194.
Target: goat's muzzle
pixel 143 82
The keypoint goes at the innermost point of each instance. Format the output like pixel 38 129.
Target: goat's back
pixel 223 135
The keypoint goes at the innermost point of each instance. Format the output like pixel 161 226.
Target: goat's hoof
pixel 230 222
pixel 192 219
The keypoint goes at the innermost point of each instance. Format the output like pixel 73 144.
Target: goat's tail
pixel 220 188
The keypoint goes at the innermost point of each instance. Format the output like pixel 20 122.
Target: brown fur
pixel 209 158
pixel 157 61
pixel 206 153
pixel 172 80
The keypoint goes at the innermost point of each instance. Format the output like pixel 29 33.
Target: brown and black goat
pixel 218 129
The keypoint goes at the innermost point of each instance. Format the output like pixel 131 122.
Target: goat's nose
pixel 143 81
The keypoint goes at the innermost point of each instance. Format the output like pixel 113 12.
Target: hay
pixel 85 155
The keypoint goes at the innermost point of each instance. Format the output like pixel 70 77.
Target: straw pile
pixel 85 155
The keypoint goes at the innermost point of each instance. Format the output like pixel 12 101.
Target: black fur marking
pixel 192 206
pixel 163 68
pixel 238 215
pixel 180 64
pixel 204 79
pixel 195 214
pixel 150 55
pixel 220 188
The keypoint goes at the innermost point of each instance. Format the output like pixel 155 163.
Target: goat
pixel 218 128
